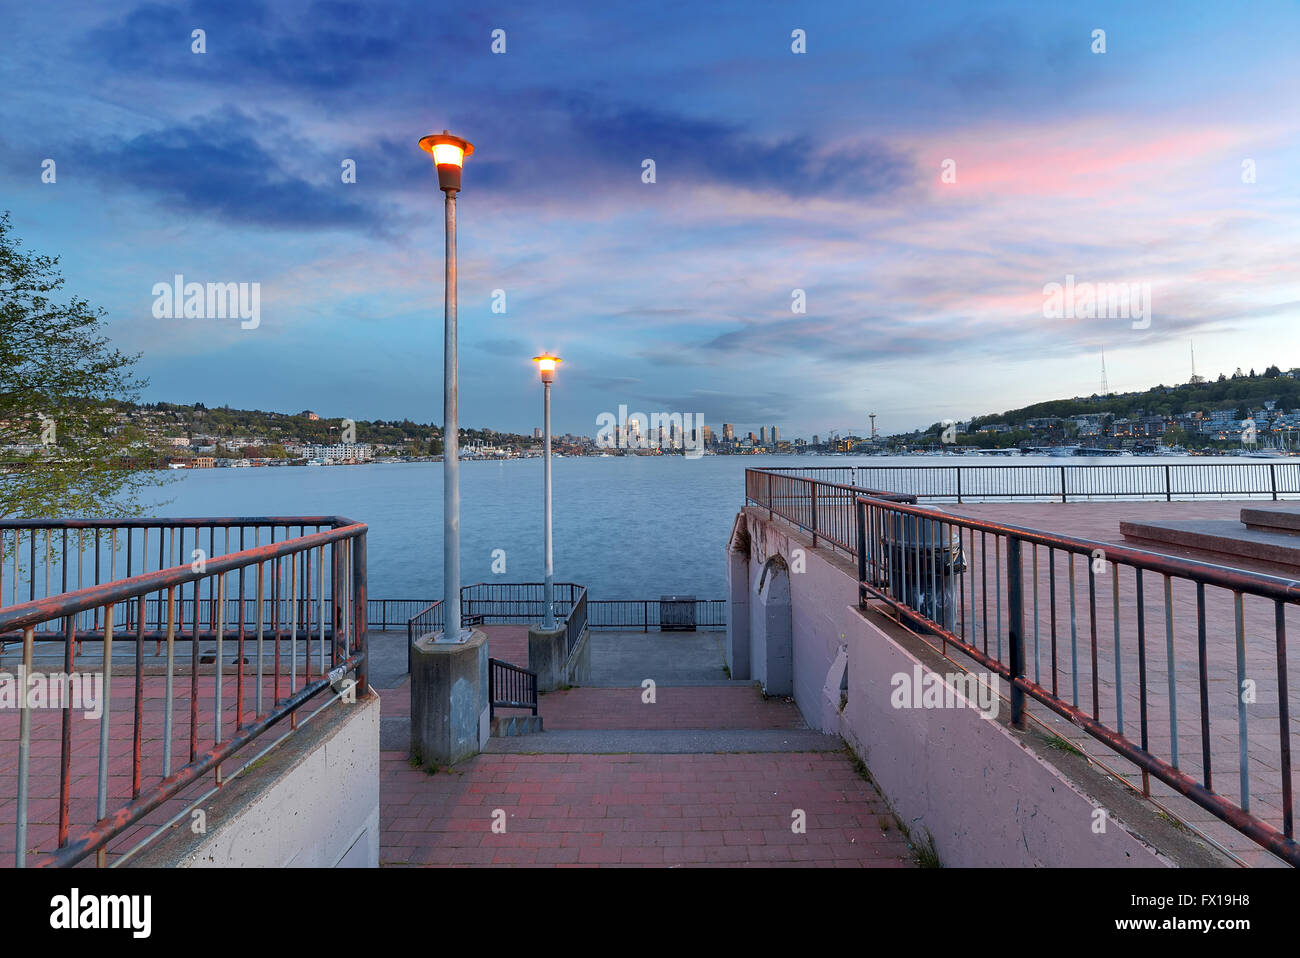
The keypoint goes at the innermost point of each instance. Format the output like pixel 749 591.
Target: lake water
pixel 625 527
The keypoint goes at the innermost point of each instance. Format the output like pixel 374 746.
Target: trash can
pixel 922 559
pixel 677 613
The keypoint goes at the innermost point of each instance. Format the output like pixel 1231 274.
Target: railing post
pixel 812 496
pixel 1169 486
pixel 359 611
pixel 769 495
pixel 1016 603
pixel 862 548
pixel 1062 483
pixel 1272 478
pixel 959 485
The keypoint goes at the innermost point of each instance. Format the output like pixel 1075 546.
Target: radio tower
pixel 1105 386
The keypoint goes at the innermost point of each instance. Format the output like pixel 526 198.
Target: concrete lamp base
pixel 546 657
pixel 449 699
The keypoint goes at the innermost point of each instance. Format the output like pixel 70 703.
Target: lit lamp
pixel 449 153
pixel 546 363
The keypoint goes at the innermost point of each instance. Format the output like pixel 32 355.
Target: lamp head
pixel 448 154
pixel 546 363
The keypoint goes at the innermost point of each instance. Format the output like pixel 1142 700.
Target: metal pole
pixel 450 442
pixel 549 595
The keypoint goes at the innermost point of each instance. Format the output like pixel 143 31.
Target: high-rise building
pixel 762 435
pixel 816 440
pixel 537 432
pixel 774 436
pixel 728 431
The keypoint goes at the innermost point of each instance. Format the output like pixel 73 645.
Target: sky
pixel 921 172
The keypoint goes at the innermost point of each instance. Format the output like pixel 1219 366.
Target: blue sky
pixel 775 171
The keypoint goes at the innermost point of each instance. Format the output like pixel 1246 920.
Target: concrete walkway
pixel 705 772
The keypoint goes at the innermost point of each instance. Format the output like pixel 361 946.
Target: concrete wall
pixel 737 640
pixel 312 802
pixel 979 788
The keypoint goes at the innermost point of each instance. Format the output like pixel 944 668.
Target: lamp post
pixel 448 154
pixel 546 363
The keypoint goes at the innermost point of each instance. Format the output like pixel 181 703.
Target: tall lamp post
pixel 449 153
pixel 546 363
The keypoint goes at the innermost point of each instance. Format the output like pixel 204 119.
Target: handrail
pixel 337 611
pixel 510 687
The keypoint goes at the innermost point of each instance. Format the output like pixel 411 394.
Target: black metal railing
pixel 1100 634
pixel 486 603
pixel 510 687
pixel 647 614
pixel 575 625
pixel 323 574
pixel 963 483
pixel 386 615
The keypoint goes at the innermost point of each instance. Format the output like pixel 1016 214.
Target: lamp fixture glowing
pixel 547 363
pixel 449 154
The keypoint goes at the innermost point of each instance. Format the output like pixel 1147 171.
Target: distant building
pixel 728 432
pixel 309 415
pixel 537 432
pixel 762 435
pixel 774 436
pixel 204 462
pixel 339 451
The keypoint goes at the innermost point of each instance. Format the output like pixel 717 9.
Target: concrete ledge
pixel 1222 536
pixel 312 802
pixel 988 793
pixel 1272 519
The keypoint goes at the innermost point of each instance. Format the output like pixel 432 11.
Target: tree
pixel 64 450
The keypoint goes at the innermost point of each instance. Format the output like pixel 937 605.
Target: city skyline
pixel 921 296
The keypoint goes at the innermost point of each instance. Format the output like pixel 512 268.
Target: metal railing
pixel 962 483
pixel 324 571
pixel 510 687
pixel 825 510
pixel 646 614
pixel 612 614
pixel 575 624
pixel 1100 634
pixel 507 602
pixel 386 615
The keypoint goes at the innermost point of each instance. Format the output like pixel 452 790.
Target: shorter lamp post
pixel 546 363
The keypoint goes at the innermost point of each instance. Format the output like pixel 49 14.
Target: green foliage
pixel 61 389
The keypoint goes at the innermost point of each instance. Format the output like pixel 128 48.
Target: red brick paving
pixel 661 810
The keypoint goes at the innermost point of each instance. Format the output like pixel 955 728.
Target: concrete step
pixel 509 726
pixel 673 741
pixel 1275 518
pixel 1222 537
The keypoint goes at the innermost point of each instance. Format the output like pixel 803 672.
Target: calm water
pixel 630 527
